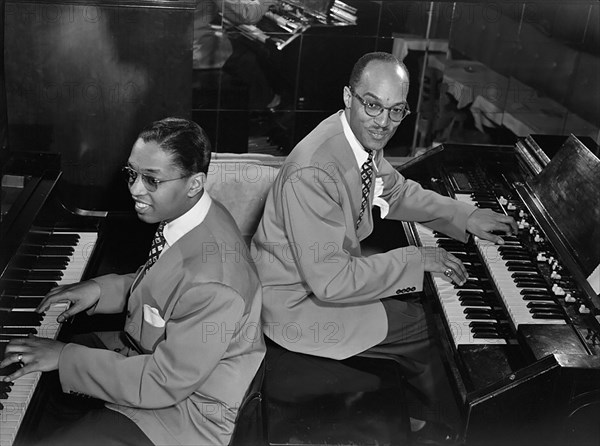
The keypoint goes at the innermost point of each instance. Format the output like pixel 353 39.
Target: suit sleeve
pixel 408 201
pixel 188 353
pixel 114 289
pixel 316 226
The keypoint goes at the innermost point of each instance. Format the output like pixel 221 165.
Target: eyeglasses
pixel 150 183
pixel 396 113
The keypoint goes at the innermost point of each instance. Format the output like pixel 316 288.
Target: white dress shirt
pixel 361 156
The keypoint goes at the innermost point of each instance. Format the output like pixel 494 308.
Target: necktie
pixel 158 243
pixel 366 172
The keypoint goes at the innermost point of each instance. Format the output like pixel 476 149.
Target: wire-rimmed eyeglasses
pixel 396 113
pixel 149 182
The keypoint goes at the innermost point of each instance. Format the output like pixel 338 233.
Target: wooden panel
pixel 83 78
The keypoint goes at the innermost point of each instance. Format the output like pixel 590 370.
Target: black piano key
pixel 38 250
pixel 535 291
pixel 529 267
pixel 516 250
pixel 548 316
pixel 490 311
pixel 488 335
pixel 549 305
pixel 476 292
pixel 17 331
pixel 501 326
pixel 474 303
pixel 513 256
pixel 20 318
pixel 519 263
pixel 3 396
pixel 26 303
pixel 26 275
pixel 525 274
pixel 7 302
pixel 45 239
pixel 480 313
pixel 39 262
pixel 20 287
pixel 530 283
pixel 537 297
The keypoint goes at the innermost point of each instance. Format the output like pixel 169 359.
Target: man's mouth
pixel 141 206
pixel 378 134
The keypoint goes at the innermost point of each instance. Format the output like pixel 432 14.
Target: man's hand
pixel 483 222
pixel 35 355
pixel 438 260
pixel 80 296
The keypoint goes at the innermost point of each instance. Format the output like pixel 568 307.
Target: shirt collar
pixel 359 151
pixel 177 228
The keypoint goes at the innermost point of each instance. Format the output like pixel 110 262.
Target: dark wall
pixel 3 121
pixel 83 78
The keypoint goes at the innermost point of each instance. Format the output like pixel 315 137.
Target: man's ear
pixel 197 184
pixel 347 97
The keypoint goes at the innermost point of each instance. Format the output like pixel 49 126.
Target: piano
pixel 65 213
pixel 44 244
pixel 521 339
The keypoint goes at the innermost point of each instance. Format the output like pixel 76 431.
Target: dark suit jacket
pixel 320 294
pixel 195 315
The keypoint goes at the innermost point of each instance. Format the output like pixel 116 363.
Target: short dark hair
pixel 361 64
pixel 184 139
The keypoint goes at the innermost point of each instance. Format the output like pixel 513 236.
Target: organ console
pixel 521 337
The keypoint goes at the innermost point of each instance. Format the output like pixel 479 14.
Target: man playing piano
pixel 321 294
pixel 191 345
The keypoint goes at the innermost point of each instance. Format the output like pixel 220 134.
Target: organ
pixel 522 336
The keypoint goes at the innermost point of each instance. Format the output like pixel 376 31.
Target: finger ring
pixel 448 272
pixel 20 357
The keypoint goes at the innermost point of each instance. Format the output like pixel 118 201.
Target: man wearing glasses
pixel 192 342
pixel 321 294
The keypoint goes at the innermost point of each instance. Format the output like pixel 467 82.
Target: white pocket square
pixel 152 316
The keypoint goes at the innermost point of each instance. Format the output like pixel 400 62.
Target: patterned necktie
pixel 366 172
pixel 158 243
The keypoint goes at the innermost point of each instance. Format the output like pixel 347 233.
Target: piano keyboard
pixel 472 311
pixel 44 260
pixel 523 290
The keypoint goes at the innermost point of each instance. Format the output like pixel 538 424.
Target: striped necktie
pixel 366 175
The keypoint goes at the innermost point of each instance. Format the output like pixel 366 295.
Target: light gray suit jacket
pixel 320 294
pixel 196 318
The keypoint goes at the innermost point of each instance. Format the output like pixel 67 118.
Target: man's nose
pixel 383 119
pixel 137 187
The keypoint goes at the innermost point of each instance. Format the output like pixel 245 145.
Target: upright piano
pixel 521 339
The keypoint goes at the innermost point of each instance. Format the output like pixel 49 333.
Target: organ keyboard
pixel 521 337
